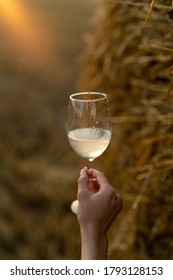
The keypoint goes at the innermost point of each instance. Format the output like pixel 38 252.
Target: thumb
pixel 83 180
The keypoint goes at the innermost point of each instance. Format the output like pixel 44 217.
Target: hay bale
pixel 134 65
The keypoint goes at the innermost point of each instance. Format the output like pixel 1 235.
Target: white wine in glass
pixel 88 125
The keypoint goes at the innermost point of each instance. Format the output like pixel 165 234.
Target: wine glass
pixel 88 126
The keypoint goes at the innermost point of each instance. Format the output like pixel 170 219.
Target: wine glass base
pixel 74 206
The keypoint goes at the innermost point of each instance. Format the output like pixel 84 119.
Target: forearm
pixel 93 246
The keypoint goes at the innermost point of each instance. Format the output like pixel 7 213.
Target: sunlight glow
pixel 28 31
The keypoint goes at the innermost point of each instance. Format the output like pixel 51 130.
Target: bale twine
pixel 134 65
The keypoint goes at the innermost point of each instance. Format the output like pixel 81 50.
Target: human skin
pixel 98 207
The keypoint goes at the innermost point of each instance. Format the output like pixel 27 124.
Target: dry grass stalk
pixel 149 12
pixel 139 4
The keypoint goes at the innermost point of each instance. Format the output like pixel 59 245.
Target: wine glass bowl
pixel 88 124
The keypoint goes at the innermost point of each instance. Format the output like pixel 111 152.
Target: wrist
pixel 94 243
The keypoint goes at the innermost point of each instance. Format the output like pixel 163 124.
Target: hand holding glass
pixel 88 124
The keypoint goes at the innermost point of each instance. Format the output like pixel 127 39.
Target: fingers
pixel 83 181
pixel 93 181
pixel 100 177
pixel 87 182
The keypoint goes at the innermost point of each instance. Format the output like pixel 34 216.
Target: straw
pixel 133 64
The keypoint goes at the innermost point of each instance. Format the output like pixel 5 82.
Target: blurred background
pixel 40 46
pixel 48 50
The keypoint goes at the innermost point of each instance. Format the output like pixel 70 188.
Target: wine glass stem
pixel 90 163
